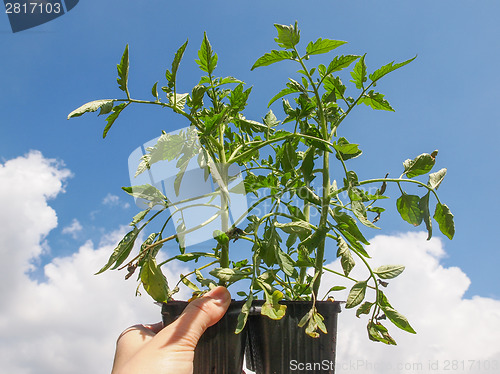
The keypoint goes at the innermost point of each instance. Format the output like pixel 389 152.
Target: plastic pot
pixel 280 346
pixel 219 350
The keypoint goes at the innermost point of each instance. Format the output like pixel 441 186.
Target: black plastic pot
pixel 220 350
pixel 280 346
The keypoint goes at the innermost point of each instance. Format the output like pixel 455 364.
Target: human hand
pixel 152 349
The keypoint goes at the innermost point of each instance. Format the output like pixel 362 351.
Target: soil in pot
pixel 219 350
pixel 280 346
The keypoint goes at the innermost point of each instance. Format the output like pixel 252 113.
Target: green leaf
pixel 227 80
pixel 168 147
pixel 376 101
pixel 189 284
pixel 359 73
pixel 112 117
pixel 272 57
pixel 243 316
pixel 356 295
pixel 386 69
pixel 221 237
pixel 288 36
pixel 272 308
pixel 122 68
pixel 364 308
pixel 436 178
pixel 444 218
pixel 389 271
pixel 347 225
pixel 147 192
pixel 398 319
pixel 122 250
pixel 286 263
pixel 339 63
pixel 139 217
pixel 345 149
pixel 323 46
pixel 359 210
pixel 104 105
pixel 295 227
pixel 154 281
pixel 346 259
pixel 409 209
pixel 208 59
pixel 171 76
pixel 228 275
pixel 421 164
pixel 424 207
pixel 283 92
pixel 154 91
pixel 177 101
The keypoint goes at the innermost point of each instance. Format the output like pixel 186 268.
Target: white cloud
pixel 73 229
pixel 114 200
pixel 448 326
pixel 69 323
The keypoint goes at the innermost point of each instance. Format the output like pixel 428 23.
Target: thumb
pixel 199 315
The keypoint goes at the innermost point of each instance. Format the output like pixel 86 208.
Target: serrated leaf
pixel 346 259
pixel 154 281
pixel 376 101
pixel 409 209
pixel 227 80
pixel 288 36
pixel 112 117
pixel 272 57
pixel 208 59
pixel 282 93
pixel 420 165
pixel 345 149
pixel 221 237
pixel 122 68
pixel 386 69
pixel 389 271
pixel 339 63
pixel 104 105
pixel 359 73
pixel 177 101
pixel 171 75
pixel 436 178
pixel 356 294
pixel 444 218
pixel 323 46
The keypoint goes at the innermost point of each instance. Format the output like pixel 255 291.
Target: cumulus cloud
pixel 70 322
pixel 454 334
pixel 73 229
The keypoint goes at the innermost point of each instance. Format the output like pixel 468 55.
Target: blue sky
pixel 446 99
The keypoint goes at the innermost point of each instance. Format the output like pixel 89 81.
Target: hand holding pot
pixel 153 350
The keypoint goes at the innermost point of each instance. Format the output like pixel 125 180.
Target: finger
pixel 196 318
pixel 131 341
